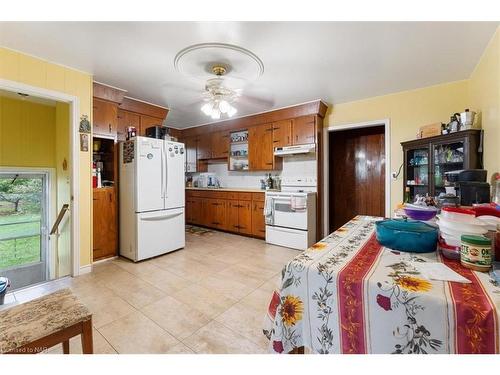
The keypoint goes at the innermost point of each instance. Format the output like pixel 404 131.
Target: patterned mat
pixel 198 231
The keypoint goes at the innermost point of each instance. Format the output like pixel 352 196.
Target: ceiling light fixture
pixel 218 98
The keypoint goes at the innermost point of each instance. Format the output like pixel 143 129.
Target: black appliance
pixel 477 175
pixel 470 186
pixel 157 132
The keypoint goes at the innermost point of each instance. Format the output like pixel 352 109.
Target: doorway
pixel 35 188
pixel 357 174
pixel 24 242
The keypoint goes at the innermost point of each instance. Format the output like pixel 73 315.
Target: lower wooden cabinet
pixel 214 213
pixel 236 212
pixel 105 228
pixel 240 216
pixel 258 220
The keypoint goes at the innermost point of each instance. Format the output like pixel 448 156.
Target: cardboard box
pixel 430 130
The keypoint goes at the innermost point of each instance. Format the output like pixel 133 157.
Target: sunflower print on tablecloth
pixel 291 310
pixel 413 284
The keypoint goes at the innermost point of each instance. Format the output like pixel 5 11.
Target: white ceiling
pixel 30 98
pixel 303 61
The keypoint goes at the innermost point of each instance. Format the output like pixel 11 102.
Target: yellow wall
pixel 27 134
pixel 484 93
pixel 407 111
pixel 18 67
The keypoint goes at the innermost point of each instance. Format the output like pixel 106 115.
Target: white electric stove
pixel 291 213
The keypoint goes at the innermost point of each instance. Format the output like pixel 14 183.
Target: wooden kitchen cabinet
pixel 147 122
pixel 245 217
pixel 194 211
pixel 105 224
pixel 232 216
pixel 282 133
pixel 239 216
pixel 216 213
pixel 232 211
pixel 126 119
pixel 303 130
pixel 220 145
pixel 258 220
pixel 105 118
pixel 204 144
pixel 260 148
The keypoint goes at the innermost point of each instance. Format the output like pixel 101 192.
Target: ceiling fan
pixel 218 98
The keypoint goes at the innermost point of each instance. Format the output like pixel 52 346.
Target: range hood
pixel 294 150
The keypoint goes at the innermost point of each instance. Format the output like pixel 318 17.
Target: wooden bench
pixel 37 325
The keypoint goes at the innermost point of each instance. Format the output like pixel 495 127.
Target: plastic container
pixel 4 284
pixel 475 252
pixel 420 212
pixel 457 214
pixel 448 251
pixel 407 235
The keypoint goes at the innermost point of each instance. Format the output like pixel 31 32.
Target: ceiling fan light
pixel 215 114
pixel 224 106
pixel 206 109
pixel 232 111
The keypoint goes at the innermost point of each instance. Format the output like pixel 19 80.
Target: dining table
pixel 349 294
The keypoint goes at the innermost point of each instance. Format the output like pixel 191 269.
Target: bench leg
pixel 87 342
pixel 65 345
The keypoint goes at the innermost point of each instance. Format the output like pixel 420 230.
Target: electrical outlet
pixel 394 175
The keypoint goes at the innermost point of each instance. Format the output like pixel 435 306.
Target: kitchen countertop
pixel 245 190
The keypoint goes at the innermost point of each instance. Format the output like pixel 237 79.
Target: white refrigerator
pixel 151 197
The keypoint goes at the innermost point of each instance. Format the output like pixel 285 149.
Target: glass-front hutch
pixel 426 160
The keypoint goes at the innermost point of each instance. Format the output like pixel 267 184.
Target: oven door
pixel 284 216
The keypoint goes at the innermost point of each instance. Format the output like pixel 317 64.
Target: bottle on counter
pixel 269 182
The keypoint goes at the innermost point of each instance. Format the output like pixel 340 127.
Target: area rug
pixel 198 231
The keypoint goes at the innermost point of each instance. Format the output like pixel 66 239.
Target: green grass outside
pixel 14 252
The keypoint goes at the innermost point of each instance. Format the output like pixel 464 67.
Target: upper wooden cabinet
pixel 303 130
pixel 282 133
pixel 204 145
pixel 260 148
pixel 105 118
pixel 126 119
pixel 220 144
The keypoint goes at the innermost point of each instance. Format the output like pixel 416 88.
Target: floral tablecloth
pixel 349 294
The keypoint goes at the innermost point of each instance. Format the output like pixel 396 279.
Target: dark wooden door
pixel 357 174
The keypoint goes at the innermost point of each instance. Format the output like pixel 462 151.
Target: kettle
pixel 454 124
pixel 467 119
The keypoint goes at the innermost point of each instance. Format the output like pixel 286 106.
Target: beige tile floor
pixel 210 297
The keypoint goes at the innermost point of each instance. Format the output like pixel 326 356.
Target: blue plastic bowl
pixel 407 235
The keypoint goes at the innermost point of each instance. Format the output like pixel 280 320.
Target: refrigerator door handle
pixel 162 172
pixel 162 217
pixel 165 145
